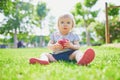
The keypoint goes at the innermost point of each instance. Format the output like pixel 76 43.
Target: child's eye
pixel 68 22
pixel 62 22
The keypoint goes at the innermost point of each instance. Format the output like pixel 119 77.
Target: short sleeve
pixel 76 37
pixel 52 37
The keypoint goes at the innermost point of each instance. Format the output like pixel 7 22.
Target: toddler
pixel 65 45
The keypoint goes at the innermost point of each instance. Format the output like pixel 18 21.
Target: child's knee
pixel 50 57
pixel 72 56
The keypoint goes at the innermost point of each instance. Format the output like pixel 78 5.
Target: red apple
pixel 62 41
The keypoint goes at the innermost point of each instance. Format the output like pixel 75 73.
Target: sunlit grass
pixel 14 65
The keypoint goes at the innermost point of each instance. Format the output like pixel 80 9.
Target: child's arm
pixel 54 46
pixel 74 45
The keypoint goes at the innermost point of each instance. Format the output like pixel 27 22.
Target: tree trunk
pixel 87 36
pixel 41 41
pixel 15 39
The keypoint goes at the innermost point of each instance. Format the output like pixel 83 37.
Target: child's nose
pixel 65 25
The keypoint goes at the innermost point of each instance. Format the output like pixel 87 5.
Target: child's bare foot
pixel 36 60
pixel 87 57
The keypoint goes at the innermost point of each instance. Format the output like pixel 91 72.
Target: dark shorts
pixel 63 56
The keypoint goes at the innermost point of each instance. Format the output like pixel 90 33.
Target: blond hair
pixel 67 15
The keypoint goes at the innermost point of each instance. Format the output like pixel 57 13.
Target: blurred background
pixel 29 23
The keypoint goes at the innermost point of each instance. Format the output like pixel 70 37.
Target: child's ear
pixel 72 24
pixel 73 21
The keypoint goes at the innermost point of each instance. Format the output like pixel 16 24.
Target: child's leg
pixel 50 57
pixel 76 55
pixel 83 59
pixel 87 57
pixel 44 59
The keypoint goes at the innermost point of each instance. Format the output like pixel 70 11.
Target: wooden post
pixel 107 35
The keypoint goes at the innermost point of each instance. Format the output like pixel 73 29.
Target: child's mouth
pixel 65 28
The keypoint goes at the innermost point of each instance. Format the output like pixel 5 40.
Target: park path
pixel 117 45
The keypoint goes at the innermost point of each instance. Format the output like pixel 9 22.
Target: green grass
pixel 14 65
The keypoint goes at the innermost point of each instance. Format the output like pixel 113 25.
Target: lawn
pixel 14 65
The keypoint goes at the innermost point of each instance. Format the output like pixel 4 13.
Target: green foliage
pixel 22 36
pixel 78 9
pixel 15 16
pixel 89 3
pixel 82 13
pixel 84 16
pixel 19 16
pixel 114 23
pixel 100 31
pixel 14 65
pixel 6 6
pixel 94 13
pixel 114 30
pixel 42 10
pixel 11 24
pixel 113 11
pixel 114 26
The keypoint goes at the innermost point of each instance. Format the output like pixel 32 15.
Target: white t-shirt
pixel 70 36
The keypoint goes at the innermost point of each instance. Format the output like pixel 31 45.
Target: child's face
pixel 65 25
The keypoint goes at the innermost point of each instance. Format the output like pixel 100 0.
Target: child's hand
pixel 68 44
pixel 62 42
pixel 57 46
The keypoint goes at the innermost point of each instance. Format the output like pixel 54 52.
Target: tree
pixel 84 15
pixel 114 26
pixel 41 12
pixel 14 11
pixel 99 28
pixel 114 23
